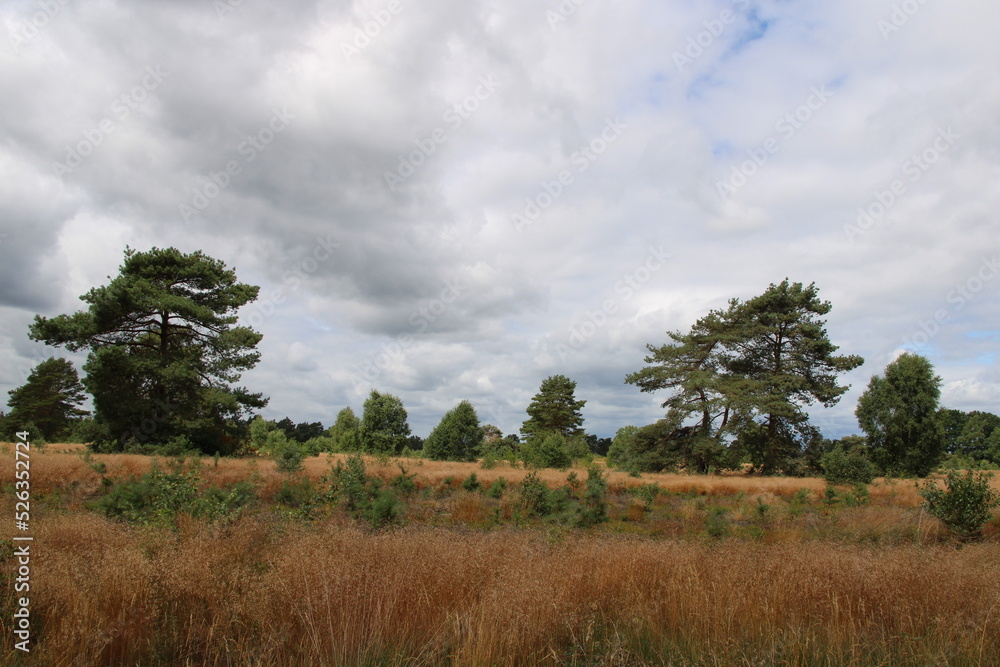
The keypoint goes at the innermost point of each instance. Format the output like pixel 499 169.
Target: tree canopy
pixel 457 437
pixel 899 414
pixel 164 349
pixel 746 373
pixel 554 409
pixel 49 399
pixel 384 426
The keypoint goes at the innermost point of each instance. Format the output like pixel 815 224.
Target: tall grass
pixel 255 593
pixel 872 584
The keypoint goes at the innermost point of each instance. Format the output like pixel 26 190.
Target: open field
pixel 697 574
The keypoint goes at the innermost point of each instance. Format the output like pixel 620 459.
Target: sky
pixel 456 199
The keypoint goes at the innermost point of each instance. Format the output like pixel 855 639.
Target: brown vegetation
pixel 877 583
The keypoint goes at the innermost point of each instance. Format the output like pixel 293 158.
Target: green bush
pixel 853 467
pixel 497 488
pixel 534 495
pixel 471 483
pixel 965 503
pixel 288 455
pixel 595 498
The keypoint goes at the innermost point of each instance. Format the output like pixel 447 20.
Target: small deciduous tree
pixel 964 505
pixel 457 437
pixel 345 432
pixel 384 426
pixel 898 413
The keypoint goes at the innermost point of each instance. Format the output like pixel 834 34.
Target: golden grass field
pixel 875 584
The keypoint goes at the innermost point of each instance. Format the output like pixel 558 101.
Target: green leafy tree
pixel 750 371
pixel 979 433
pixel 164 349
pixel 554 409
pixel 345 432
pixel 548 451
pixel 384 426
pixel 49 399
pixel 458 437
pixel 898 413
pixel 964 505
pixel 620 445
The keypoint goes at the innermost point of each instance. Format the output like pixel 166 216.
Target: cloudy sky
pixel 454 199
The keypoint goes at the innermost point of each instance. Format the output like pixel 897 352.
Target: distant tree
pixel 345 432
pixel 952 421
pixel 620 445
pixel 898 413
pixel 554 409
pixel 548 451
pixel 457 437
pixel 749 371
pixel 164 349
pixel 50 399
pixel 598 446
pixel 979 433
pixel 384 426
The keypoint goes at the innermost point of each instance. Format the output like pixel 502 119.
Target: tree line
pixel 165 351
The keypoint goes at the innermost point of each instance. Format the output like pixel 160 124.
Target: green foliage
pixel 647 493
pixel 458 437
pixel 840 467
pixel 289 457
pixel 49 400
pixel 750 371
pixel 471 483
pixel 965 503
pixel 158 496
pixel 547 451
pixel 533 495
pixel 620 446
pixel 164 349
pixel 716 523
pixel 497 488
pixel 898 413
pixel 345 432
pixel 595 498
pixel 384 429
pixel 296 493
pixel 661 446
pixel 554 409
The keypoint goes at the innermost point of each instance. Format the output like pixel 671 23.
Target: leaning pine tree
pixel 164 350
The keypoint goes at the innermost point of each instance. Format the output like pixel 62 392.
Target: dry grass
pixel 258 594
pixel 875 584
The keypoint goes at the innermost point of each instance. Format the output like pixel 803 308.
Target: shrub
pixel 964 505
pixel 471 483
pixel 534 495
pixel 853 467
pixel 547 451
pixel 497 488
pixel 386 509
pixel 595 494
pixel 288 456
